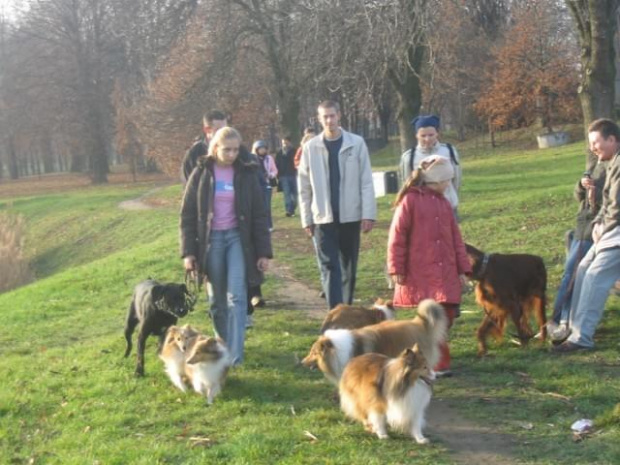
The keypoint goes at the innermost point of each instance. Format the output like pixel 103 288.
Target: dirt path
pixel 469 443
pixel 139 203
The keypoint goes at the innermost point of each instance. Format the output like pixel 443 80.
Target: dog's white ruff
pixel 206 377
pixel 343 345
pixel 407 413
pixel 175 367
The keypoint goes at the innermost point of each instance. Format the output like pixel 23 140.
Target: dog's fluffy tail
pixel 435 318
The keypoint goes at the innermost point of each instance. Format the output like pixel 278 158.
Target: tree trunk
pixel 13 166
pixel 406 83
pixel 596 24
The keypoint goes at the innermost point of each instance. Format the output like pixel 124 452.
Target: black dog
pixel 155 307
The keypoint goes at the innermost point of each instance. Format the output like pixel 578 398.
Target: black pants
pixel 338 247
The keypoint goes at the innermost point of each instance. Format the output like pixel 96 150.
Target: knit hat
pixel 259 144
pixel 425 121
pixel 436 169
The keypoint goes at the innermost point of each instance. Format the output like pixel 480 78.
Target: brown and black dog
pixel 512 285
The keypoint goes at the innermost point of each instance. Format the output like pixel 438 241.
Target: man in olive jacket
pixel 600 268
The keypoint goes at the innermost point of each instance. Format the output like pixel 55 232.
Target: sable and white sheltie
pixel 173 352
pixel 203 361
pixel 380 391
pixel 332 351
pixel 349 317
pixel 206 366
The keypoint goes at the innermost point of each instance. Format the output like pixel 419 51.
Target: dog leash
pixel 193 283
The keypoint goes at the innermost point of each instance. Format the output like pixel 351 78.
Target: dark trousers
pixel 337 247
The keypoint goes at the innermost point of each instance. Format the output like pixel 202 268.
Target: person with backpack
pixel 427 143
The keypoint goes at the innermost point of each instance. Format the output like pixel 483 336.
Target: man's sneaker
pixel 322 294
pixel 568 347
pixel 559 333
pixel 249 321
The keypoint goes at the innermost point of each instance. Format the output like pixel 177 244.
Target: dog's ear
pixel 326 344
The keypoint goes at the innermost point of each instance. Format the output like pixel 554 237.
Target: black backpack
pixel 450 148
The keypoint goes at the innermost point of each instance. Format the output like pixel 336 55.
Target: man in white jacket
pixel 336 200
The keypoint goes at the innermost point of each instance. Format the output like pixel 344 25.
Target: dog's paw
pixel 139 372
pixel 421 440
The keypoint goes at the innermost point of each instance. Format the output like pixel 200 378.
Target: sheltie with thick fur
pixel 173 352
pixel 206 366
pixel 332 351
pixel 349 317
pixel 380 391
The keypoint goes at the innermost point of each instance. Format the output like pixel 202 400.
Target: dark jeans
pixel 337 251
pixel 267 196
pixel 289 188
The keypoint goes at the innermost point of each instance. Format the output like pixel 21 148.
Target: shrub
pixel 14 270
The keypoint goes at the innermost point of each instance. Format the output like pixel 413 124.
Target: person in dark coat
pixel 211 122
pixel 287 175
pixel 225 233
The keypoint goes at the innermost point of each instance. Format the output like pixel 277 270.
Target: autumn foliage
pixel 535 73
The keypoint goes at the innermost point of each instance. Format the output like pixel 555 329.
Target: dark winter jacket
pixel 197 213
pixel 190 160
pixel 285 162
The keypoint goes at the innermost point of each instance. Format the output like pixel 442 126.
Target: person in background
pixel 427 143
pixel 309 133
pixel 336 201
pixel 287 175
pixel 267 174
pixel 211 122
pixel 225 235
pixel 426 253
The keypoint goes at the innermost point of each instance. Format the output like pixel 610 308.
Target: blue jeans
pixel 337 246
pixel 561 307
pixel 596 275
pixel 289 188
pixel 227 275
pixel 267 196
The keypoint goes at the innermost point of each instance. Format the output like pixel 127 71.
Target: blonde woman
pixel 225 233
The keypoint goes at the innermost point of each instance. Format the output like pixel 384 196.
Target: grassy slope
pixel 68 396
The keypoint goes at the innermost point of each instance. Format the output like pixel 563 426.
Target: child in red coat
pixel 426 253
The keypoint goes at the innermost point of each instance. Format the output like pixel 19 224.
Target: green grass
pixel 69 397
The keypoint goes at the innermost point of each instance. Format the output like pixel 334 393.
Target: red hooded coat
pixel 425 246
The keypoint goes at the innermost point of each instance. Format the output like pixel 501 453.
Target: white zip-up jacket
pixel 357 193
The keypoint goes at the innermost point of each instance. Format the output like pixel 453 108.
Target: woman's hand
pixel 464 281
pixel 262 264
pixel 189 263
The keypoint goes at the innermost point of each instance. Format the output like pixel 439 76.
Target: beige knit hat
pixel 436 169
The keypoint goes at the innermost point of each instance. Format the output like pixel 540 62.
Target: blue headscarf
pixel 425 121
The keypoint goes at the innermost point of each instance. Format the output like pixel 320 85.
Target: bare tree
pixel 596 22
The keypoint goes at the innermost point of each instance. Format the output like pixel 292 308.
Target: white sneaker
pixel 559 333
